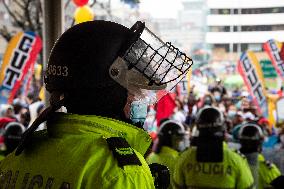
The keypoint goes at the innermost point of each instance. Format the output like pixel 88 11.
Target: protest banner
pixel 184 84
pixel 250 69
pixel 273 48
pixel 19 57
pixel 280 109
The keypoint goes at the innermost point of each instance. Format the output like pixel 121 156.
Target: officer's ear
pixel 278 183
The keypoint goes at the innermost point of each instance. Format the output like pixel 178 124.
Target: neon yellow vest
pixel 74 154
pixel 267 172
pixel 1 157
pixel 167 157
pixel 233 172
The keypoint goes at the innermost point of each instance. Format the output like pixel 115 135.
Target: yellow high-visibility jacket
pixel 167 157
pixel 233 172
pixel 267 172
pixel 80 151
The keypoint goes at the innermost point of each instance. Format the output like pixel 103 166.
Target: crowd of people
pixel 245 131
pixel 217 140
pixel 179 131
pixel 20 114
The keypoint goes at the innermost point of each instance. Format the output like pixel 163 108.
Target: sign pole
pixel 53 26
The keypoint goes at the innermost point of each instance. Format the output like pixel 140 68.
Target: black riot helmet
pixel 79 65
pixel 210 120
pixel 12 136
pixel 81 57
pixel 171 127
pixel 171 133
pixel 251 138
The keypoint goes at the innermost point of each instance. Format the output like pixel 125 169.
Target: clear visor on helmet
pixel 150 68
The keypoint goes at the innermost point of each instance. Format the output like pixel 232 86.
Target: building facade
pixel 186 31
pixel 235 26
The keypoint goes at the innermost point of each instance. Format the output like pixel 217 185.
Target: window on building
pixel 244 47
pixel 236 11
pixel 226 28
pixel 224 11
pixel 263 28
pixel 224 47
pixel 235 28
pixel 256 47
pixel 214 11
pixel 235 47
pixel 248 11
pixel 246 28
pixel 219 28
pixel 277 27
pixel 263 10
pixel 214 29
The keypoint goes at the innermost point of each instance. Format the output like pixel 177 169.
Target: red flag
pixel 165 107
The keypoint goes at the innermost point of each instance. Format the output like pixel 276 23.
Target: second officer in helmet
pixel 173 138
pixel 210 163
pixel 265 173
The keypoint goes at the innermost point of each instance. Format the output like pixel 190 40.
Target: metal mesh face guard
pixel 152 65
pixel 161 63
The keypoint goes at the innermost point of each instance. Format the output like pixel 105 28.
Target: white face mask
pixel 232 113
pixel 182 146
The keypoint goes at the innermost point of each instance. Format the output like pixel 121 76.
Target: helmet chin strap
pixel 56 102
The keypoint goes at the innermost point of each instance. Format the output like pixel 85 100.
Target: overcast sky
pixel 161 8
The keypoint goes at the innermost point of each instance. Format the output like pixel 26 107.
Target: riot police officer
pixel 172 139
pixel 103 73
pixel 12 133
pixel 264 172
pixel 210 164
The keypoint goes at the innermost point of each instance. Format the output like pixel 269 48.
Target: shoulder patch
pixel 268 164
pixel 122 151
pixel 240 154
